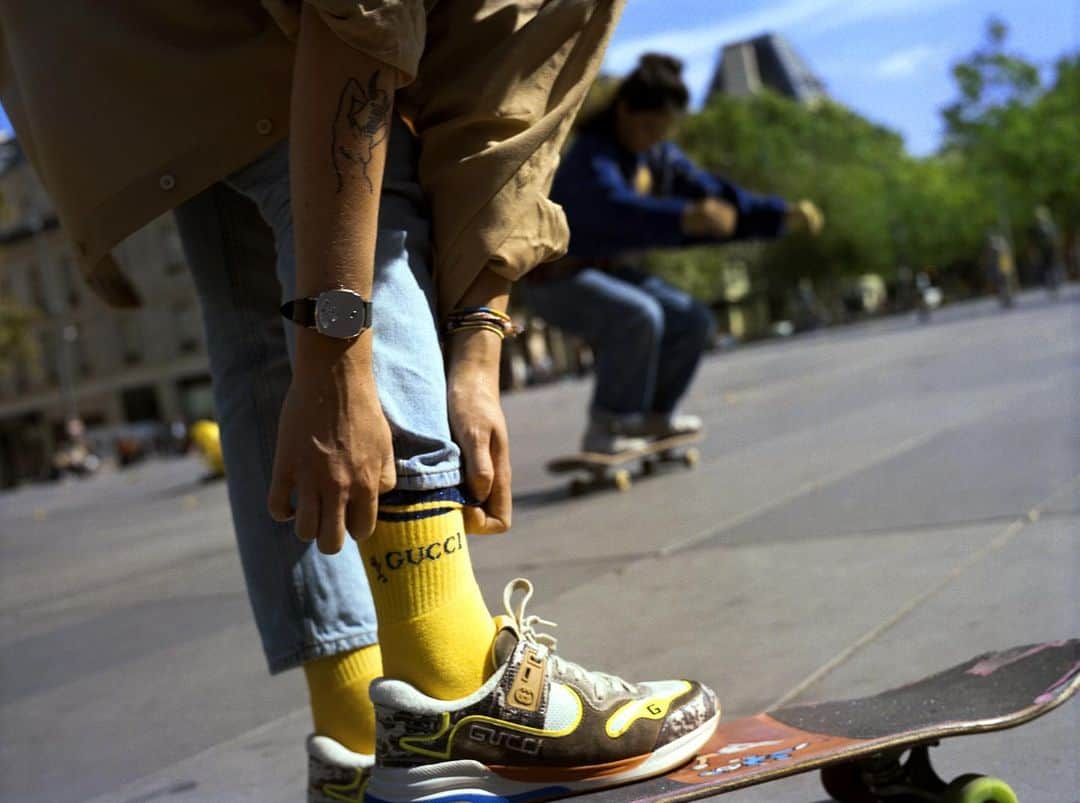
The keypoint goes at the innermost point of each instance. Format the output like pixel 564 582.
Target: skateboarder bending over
pixel 626 188
pixel 129 113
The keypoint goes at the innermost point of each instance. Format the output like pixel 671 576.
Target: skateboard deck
pixel 597 470
pixel 875 749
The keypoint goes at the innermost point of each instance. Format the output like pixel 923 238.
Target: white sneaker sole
pixel 472 782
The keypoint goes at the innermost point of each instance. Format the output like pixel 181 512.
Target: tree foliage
pixel 1011 143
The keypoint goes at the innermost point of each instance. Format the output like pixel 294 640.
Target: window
pixel 130 337
pixel 188 327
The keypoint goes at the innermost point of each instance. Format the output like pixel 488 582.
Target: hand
pixel 710 217
pixel 334 447
pixel 804 216
pixel 479 429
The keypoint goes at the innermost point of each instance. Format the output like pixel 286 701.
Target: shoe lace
pixel 600 684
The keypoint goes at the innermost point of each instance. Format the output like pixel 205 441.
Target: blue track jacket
pixel 607 216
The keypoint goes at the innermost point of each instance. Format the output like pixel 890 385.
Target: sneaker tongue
pixel 506 639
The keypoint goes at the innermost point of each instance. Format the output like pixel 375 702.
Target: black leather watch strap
pixel 300 311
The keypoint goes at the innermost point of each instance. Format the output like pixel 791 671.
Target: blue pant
pixel 647 336
pixel 307 604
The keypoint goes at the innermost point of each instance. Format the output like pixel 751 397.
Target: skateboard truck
pixel 887 778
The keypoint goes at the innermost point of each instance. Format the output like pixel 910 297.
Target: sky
pixel 887 59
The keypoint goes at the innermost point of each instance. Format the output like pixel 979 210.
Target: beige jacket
pixel 126 109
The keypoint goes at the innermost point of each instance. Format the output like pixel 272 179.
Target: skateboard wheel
pixel 978 789
pixel 622 480
pixel 844 784
pixel 691 458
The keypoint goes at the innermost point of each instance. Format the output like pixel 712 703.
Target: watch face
pixel 340 313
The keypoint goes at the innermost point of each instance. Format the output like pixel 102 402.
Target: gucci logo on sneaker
pixel 528 684
pixel 518 742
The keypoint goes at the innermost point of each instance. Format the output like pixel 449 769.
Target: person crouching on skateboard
pixel 626 188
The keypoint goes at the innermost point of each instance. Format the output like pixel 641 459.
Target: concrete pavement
pixel 873 504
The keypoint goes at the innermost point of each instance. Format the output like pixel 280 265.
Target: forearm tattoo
pixel 360 126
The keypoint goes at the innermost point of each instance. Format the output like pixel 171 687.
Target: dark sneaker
pixel 335 773
pixel 540 727
pixel 657 426
pixel 610 434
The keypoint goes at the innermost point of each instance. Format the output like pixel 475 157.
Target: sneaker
pixel 656 426
pixel 611 434
pixel 541 727
pixel 335 773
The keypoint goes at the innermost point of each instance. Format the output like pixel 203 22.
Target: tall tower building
pixel 765 62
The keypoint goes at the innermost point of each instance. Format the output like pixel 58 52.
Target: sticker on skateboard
pixel 595 470
pixel 876 749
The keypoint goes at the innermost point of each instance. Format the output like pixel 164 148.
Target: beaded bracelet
pixel 488 318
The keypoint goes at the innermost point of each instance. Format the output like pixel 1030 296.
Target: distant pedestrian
pixel 1049 261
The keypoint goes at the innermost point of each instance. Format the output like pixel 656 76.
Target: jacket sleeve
pixel 390 31
pixel 497 90
pixel 760 216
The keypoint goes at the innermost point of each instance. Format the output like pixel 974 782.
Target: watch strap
pixel 300 311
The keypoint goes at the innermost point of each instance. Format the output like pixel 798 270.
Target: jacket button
pixel 167 181
pixel 264 126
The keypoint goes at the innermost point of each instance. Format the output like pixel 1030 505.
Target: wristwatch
pixel 339 313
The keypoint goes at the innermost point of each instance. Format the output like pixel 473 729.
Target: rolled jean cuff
pixel 428 480
pixel 282 662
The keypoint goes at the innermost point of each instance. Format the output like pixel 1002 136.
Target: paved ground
pixel 873 504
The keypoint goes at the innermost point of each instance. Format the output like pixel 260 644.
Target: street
pixel 874 503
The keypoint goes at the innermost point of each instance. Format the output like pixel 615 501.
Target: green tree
pixel 1019 139
pixel 990 81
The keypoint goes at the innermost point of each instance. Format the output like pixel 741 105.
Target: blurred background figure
pixel 206 440
pixel 74 456
pixel 928 295
pixel 625 188
pixel 1000 267
pixel 810 313
pixel 1048 261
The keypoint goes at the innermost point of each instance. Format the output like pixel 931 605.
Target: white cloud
pixel 698 45
pixel 906 62
pixel 693 42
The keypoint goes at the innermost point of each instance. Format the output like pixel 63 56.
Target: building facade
pixel 84 359
pixel 765 62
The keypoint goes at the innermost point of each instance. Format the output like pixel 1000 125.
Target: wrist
pixel 474 352
pixel 319 355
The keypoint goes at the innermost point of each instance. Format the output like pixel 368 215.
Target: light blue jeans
pixel 238 238
pixel 648 336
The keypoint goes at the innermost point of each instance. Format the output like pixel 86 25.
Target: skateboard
pixel 876 749
pixel 596 470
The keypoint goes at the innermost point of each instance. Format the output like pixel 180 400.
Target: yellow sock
pixel 340 706
pixel 434 629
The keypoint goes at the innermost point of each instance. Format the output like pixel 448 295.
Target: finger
pixel 388 477
pixel 479 470
pixel 307 515
pixel 475 520
pixel 332 522
pixel 361 512
pixel 499 506
pixel 279 500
